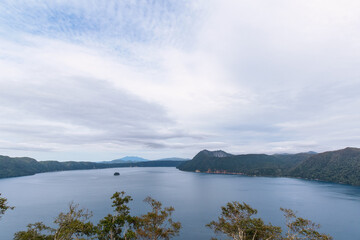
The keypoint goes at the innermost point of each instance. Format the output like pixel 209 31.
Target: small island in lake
pixel 116 174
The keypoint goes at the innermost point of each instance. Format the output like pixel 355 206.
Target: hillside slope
pixel 16 167
pixel 342 166
pixel 249 164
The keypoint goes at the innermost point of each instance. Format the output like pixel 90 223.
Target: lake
pixel 197 198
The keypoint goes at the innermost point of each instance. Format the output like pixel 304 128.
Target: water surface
pixel 197 198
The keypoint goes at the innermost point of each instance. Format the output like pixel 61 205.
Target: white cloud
pixel 245 76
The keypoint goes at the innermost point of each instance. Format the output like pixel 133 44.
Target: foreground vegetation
pixel 236 221
pixel 4 206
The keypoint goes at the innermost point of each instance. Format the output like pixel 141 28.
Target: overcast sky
pixel 98 80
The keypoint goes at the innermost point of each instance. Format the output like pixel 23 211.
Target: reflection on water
pixel 197 198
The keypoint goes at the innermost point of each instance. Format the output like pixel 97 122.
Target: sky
pixel 94 80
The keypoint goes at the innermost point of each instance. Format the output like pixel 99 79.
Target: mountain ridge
pixel 24 166
pixel 342 166
pixel 339 166
pixel 135 159
pixel 126 159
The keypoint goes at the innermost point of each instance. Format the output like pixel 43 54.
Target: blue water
pixel 197 198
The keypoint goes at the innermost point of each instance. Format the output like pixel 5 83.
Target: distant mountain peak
pixel 172 159
pixel 133 159
pixel 311 152
pixel 217 153
pixel 127 159
pixel 351 149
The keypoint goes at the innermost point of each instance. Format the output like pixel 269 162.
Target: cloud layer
pixel 93 80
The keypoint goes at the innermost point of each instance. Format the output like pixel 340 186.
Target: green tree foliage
pixel 119 226
pixel 300 228
pixel 4 206
pixel 158 223
pixel 237 222
pixel 71 225
pixel 36 231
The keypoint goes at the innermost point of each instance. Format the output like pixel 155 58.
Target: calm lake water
pixel 197 198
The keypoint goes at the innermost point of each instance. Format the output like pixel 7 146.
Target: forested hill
pixel 16 167
pixel 249 164
pixel 342 166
